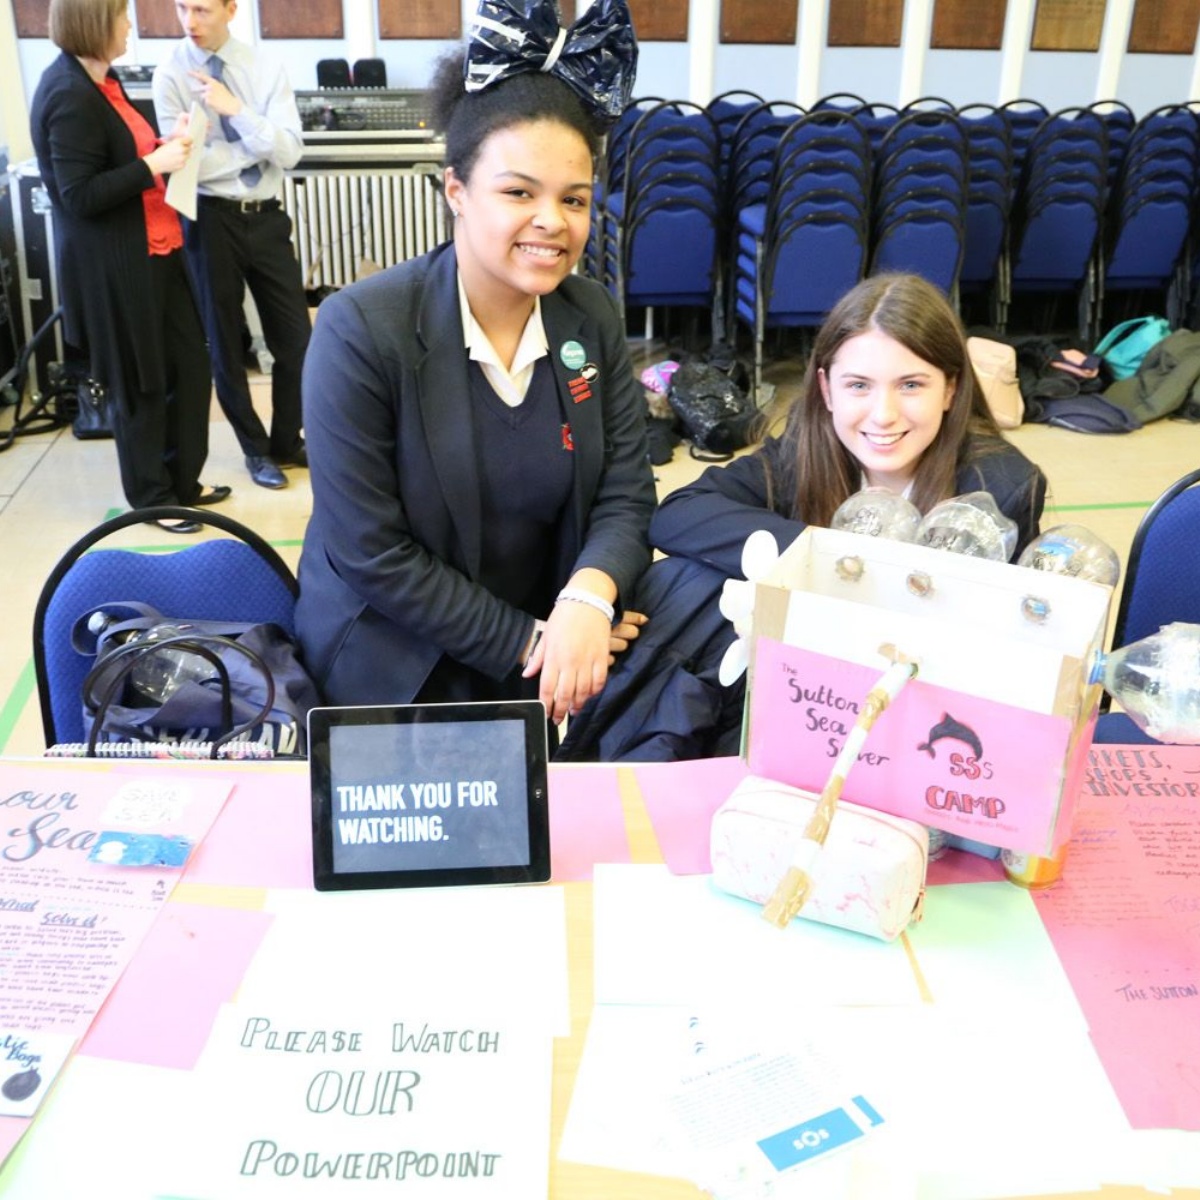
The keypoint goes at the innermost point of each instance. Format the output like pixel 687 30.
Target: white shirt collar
pixel 509 383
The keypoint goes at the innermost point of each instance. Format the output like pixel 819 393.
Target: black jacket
pixel 663 700
pixel 710 520
pixel 95 180
pixel 388 574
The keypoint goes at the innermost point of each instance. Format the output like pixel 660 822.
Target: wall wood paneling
pixel 157 19
pixel 31 17
pixel 865 22
pixel 1164 27
pixel 300 18
pixel 766 22
pixel 419 19
pixel 968 24
pixel 1067 25
pixel 659 21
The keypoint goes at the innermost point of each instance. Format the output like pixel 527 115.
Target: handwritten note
pixel 68 923
pixel 1126 923
pixel 991 772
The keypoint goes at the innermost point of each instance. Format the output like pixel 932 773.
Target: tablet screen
pixel 427 795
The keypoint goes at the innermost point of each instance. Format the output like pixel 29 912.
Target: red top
pixel 163 232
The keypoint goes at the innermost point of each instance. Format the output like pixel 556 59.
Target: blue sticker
pixel 573 355
pixel 809 1139
pixel 140 850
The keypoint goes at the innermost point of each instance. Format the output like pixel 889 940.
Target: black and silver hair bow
pixel 596 57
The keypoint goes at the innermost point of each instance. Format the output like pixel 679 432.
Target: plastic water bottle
pixel 1073 550
pixel 969 524
pixel 162 673
pixel 1156 680
pixel 878 512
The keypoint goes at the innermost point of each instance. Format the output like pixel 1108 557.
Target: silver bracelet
pixel 583 596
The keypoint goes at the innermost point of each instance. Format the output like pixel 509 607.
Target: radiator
pixel 341 218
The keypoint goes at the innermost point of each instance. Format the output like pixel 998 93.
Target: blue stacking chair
pixel 1119 122
pixel 804 246
pixel 239 578
pixel 1147 242
pixel 928 104
pixel 919 199
pixel 845 101
pixel 610 178
pixel 749 170
pixel 1023 117
pixel 1162 584
pixel 1058 212
pixel 877 120
pixel 660 230
pixel 989 200
pixel 727 110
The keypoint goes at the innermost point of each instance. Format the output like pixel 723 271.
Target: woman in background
pixel 127 300
pixel 476 434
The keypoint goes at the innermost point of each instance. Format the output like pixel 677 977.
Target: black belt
pixel 242 206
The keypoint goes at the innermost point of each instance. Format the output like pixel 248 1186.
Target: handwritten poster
pixel 1126 923
pixel 399 1036
pixel 86 863
pixel 369 1092
pixel 988 771
pixel 72 912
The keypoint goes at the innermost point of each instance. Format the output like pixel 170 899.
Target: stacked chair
pixel 1059 211
pixel 1119 122
pixel 659 220
pixel 919 201
pixel 989 201
pixel 613 176
pixel 1023 117
pixel 1146 241
pixel 877 120
pixel 803 245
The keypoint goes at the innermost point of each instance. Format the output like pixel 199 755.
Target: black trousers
pixel 230 250
pixel 162 436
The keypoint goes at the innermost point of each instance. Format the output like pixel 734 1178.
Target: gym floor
pixel 54 488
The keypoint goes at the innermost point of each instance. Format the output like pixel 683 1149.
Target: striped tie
pixel 253 173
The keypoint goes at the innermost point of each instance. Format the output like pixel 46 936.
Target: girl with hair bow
pixel 476 433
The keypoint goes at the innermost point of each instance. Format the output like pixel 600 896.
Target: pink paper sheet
pixel 1125 922
pixel 680 799
pixel 190 963
pixel 587 822
pixel 264 836
pixel 971 766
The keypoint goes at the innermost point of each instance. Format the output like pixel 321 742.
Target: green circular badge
pixel 573 355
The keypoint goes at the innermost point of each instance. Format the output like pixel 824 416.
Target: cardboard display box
pixel 989 741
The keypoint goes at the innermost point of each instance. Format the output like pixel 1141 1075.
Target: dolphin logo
pixel 948 727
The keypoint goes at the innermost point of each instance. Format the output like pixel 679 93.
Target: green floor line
pixel 1100 507
pixel 117 512
pixel 14 706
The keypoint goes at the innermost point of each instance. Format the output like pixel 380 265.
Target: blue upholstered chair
pixel 1162 583
pixel 238 578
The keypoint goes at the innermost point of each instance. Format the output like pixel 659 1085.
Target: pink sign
pixel 1125 920
pixel 960 762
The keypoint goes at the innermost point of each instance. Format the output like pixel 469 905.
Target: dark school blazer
pixel 90 167
pixel 392 551
pixel 709 520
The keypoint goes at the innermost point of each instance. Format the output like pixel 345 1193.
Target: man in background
pixel 241 236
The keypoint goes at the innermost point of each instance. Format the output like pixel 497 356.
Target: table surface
pixel 568 1180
